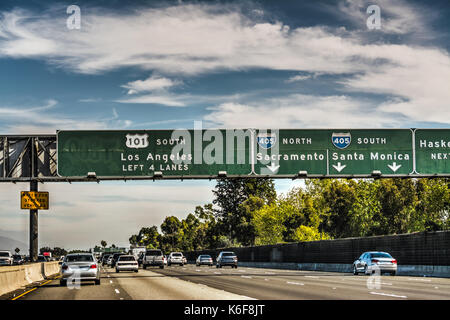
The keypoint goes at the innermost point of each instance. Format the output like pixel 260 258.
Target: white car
pixel 110 260
pixel 127 263
pixel 175 258
pixel 6 258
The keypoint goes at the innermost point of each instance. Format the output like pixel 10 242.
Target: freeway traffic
pixel 190 282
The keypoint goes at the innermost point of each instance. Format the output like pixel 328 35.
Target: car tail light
pixel 394 261
pixel 374 261
pixel 93 266
pixel 65 267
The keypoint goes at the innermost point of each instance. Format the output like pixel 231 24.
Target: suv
pixel 153 258
pixel 17 259
pixel 175 258
pixel 227 258
pixel 6 258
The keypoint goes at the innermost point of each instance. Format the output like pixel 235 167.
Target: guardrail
pixel 15 277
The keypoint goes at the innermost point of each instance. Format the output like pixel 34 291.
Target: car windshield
pixel 4 254
pixel 79 258
pixel 127 259
pixel 154 253
pixel 228 254
pixel 380 255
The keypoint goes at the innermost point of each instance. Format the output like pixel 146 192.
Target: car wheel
pixel 365 270
pixel 169 264
pixel 355 271
pixel 144 267
pixel 117 271
pixel 220 266
pixel 217 266
pixel 62 283
pixel 97 282
pixel 136 271
pixel 161 267
pixel 393 273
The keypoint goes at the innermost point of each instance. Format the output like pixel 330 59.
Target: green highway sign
pixel 146 152
pixel 284 153
pixel 335 152
pixel 432 151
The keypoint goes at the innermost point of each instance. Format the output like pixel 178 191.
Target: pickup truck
pixel 153 258
pixel 6 258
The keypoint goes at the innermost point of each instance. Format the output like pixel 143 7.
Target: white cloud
pixel 298 78
pixel 153 83
pixel 301 111
pixel 193 39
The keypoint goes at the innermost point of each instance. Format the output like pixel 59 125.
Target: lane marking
pixel 295 283
pixel 314 277
pixel 248 277
pixel 110 281
pixel 23 294
pixel 117 291
pixel 388 295
pixel 412 279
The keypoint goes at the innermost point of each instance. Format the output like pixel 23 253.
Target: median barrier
pixel 15 277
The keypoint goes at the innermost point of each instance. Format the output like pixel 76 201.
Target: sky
pixel 230 64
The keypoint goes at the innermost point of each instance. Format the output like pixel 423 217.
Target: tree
pixel 172 233
pixel 230 194
pixel 103 243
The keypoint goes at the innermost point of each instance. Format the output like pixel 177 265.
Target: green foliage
pixel 248 212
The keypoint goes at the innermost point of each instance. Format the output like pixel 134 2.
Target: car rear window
pixel 176 254
pixel 205 257
pixel 153 253
pixel 80 258
pixel 127 258
pixel 228 254
pixel 380 255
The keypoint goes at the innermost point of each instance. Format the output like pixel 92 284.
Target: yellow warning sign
pixel 32 200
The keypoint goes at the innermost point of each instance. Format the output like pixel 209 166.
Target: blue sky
pixel 230 64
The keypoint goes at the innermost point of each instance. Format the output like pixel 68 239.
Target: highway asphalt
pixel 190 282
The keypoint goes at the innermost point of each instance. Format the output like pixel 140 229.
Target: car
pixel 175 258
pixel 17 259
pixel 41 258
pixel 80 266
pixel 6 258
pixel 61 260
pixel 372 261
pixel 227 258
pixel 105 259
pixel 184 260
pixel 165 260
pixel 204 259
pixel 153 257
pixel 127 263
pixel 115 257
pixel 109 262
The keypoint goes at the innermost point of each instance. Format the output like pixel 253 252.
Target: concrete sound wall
pixel 415 249
pixel 15 277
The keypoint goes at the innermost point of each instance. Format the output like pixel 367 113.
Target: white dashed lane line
pixel 295 283
pixel 117 291
pixel 388 295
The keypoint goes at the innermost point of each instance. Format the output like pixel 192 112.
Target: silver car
pixel 374 261
pixel 80 267
pixel 127 263
pixel 227 258
pixel 204 259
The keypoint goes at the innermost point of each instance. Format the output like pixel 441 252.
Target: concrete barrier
pixel 15 277
pixel 406 270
